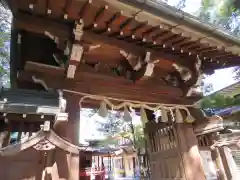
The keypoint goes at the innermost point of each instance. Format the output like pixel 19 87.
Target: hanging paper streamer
pixel 179 117
pixel 156 115
pixel 189 118
pixel 143 116
pixel 103 112
pixel 127 115
pixel 164 116
pixel 172 116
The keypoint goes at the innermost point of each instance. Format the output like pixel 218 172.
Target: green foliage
pixel 114 126
pixel 219 101
pixel 139 137
pixel 236 72
pixel 103 143
pixel 108 141
pixel 206 87
pixel 5 25
pixel 224 13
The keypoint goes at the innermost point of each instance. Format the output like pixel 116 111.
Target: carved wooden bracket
pixel 78 31
pixel 138 63
pixel 41 82
pixel 199 78
pixel 184 72
pixel 44 145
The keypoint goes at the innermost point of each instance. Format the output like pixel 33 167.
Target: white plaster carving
pixel 185 73
pixel 199 75
pixel 40 81
pixel 78 31
pixel 138 62
pixel 49 35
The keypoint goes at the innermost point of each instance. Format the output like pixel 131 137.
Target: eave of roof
pixel 229 89
pixel 223 112
pixel 180 18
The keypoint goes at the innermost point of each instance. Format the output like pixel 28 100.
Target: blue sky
pixel 220 79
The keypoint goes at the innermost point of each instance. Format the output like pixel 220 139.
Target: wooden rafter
pixel 61 31
pixel 41 26
pixel 121 21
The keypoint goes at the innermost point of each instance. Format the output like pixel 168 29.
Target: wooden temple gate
pixel 168 147
pixel 139 51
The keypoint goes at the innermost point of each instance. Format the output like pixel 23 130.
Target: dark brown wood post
pixel 3 133
pixel 72 133
pixel 73 128
pixel 188 146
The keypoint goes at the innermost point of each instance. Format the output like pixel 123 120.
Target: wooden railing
pixel 162 139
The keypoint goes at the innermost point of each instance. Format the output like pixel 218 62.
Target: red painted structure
pixel 98 172
pixel 86 169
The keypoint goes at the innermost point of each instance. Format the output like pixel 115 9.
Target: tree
pixel 219 101
pixel 237 73
pixel 136 135
pixel 5 27
pixel 112 124
pixel 116 126
pixel 206 88
pixel 224 13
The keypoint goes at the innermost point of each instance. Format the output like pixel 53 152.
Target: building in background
pixel 232 90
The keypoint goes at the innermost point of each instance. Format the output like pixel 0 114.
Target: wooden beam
pixel 100 84
pixel 27 117
pixel 95 38
pixel 42 26
pixel 86 74
pixel 100 72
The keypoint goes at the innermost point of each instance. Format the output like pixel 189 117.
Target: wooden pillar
pixel 3 136
pixel 217 158
pixel 218 161
pixel 191 159
pixel 70 131
pixel 226 161
pixel 3 133
pixel 73 128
